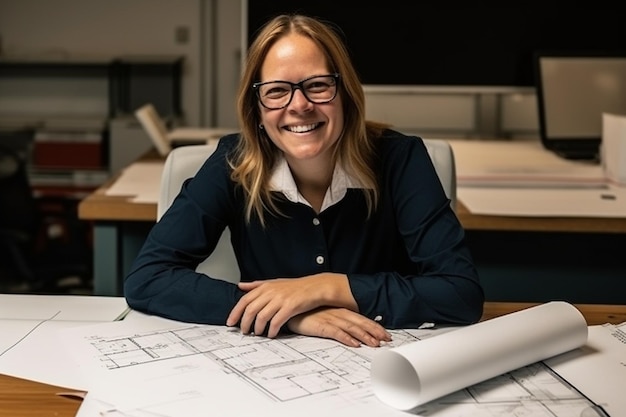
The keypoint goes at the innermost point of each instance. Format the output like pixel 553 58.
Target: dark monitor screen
pixel 573 90
pixel 399 42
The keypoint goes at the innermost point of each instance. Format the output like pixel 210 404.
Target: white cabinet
pixel 127 142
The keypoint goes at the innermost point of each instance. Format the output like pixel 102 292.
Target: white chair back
pixel 442 156
pixel 182 163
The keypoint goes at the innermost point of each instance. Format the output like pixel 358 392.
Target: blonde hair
pixel 256 155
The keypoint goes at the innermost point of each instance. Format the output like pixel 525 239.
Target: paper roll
pixel 413 374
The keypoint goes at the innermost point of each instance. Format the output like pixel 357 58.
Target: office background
pixel 210 35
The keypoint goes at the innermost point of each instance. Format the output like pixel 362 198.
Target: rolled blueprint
pixel 410 375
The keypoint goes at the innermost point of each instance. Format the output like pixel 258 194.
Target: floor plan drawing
pixel 295 368
pixel 284 369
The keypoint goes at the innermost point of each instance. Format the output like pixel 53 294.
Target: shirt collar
pixel 282 181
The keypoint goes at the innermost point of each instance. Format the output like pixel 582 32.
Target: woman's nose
pixel 299 100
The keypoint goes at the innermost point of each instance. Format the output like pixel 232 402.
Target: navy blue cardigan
pixel 408 263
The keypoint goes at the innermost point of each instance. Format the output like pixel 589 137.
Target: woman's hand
pixel 273 302
pixel 345 326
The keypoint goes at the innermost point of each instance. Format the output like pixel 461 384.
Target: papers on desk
pixel 147 365
pixel 29 328
pixel 153 366
pixel 521 178
pixel 137 181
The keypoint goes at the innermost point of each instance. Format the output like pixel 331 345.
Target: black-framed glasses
pixel 319 89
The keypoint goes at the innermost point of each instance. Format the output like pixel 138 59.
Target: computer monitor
pixel 573 90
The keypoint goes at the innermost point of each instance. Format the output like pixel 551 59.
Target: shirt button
pixel 316 221
pixel 319 260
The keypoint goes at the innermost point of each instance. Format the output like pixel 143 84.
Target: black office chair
pixel 30 261
pixel 18 219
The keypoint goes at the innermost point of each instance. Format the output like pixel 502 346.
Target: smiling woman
pixel 340 226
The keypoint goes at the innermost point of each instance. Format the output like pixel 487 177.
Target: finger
pixel 238 310
pixel 247 323
pixel 258 312
pixel 377 331
pixel 235 315
pixel 364 337
pixel 362 327
pixel 276 323
pixel 370 333
pixel 364 330
pixel 281 314
pixel 345 331
pixel 247 286
pixel 338 334
pixel 262 318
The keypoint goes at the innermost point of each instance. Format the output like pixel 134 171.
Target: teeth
pixel 301 129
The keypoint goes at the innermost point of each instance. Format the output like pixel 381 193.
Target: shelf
pixel 116 85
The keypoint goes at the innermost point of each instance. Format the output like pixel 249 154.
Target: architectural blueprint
pixel 281 376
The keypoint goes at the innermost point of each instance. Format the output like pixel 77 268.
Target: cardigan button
pixel 319 260
pixel 316 221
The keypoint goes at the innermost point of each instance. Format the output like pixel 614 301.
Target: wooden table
pixel 119 228
pixel 24 398
pixel 540 224
pixel 594 313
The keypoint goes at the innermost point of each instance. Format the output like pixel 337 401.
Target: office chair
pixel 31 260
pixel 165 139
pixel 18 218
pixel 184 162
pixel 442 156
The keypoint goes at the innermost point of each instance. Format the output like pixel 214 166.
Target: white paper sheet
pixel 416 373
pixel 545 202
pixel 29 324
pixel 599 368
pixel 139 178
pixel 30 349
pixel 61 307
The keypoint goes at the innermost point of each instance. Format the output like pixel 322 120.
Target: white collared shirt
pixel 282 180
